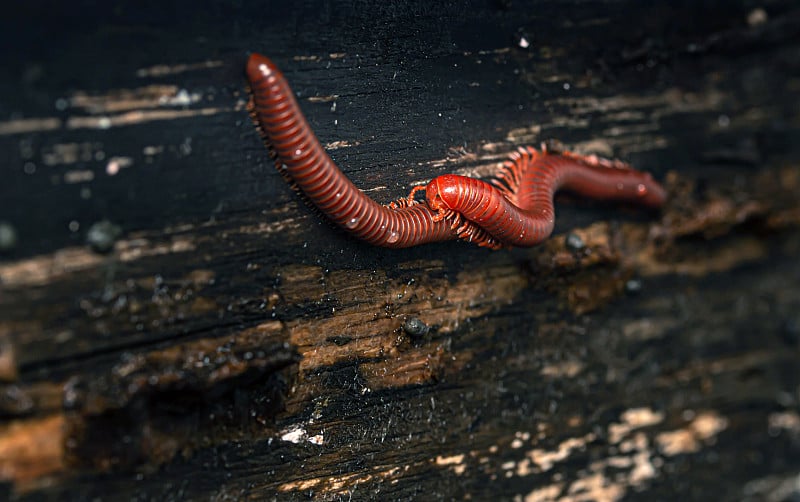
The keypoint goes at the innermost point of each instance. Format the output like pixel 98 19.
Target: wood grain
pixel 176 325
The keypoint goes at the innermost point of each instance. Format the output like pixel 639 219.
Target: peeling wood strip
pixel 31 449
pixel 26 126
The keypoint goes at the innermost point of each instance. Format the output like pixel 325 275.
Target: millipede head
pixel 260 67
pixel 442 192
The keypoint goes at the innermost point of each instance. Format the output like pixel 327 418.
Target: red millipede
pixel 301 158
pixel 517 210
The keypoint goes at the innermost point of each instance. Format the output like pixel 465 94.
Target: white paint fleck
pixel 294 434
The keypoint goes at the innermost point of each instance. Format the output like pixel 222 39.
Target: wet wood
pixel 175 323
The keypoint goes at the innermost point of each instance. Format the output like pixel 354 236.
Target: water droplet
pixel 633 285
pixel 112 167
pixel 351 223
pixel 392 237
pixel 620 186
pixel 185 148
pixel 574 242
pixel 265 70
pixel 641 190
pixel 298 152
pixel 8 236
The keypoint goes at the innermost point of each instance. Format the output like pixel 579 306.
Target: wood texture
pixel 176 324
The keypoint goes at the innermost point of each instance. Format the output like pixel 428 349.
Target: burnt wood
pixel 176 324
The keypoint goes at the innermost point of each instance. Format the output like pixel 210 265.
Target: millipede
pixel 514 209
pixel 517 208
pixel 302 160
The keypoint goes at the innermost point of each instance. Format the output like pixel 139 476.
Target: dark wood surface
pixel 176 324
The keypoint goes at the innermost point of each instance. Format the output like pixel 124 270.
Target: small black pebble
pixel 339 340
pixel 791 331
pixel 102 235
pixel 415 327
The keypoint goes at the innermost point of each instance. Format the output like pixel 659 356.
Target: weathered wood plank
pixel 229 343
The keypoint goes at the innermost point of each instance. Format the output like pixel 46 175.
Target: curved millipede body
pixel 301 159
pixel 517 210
